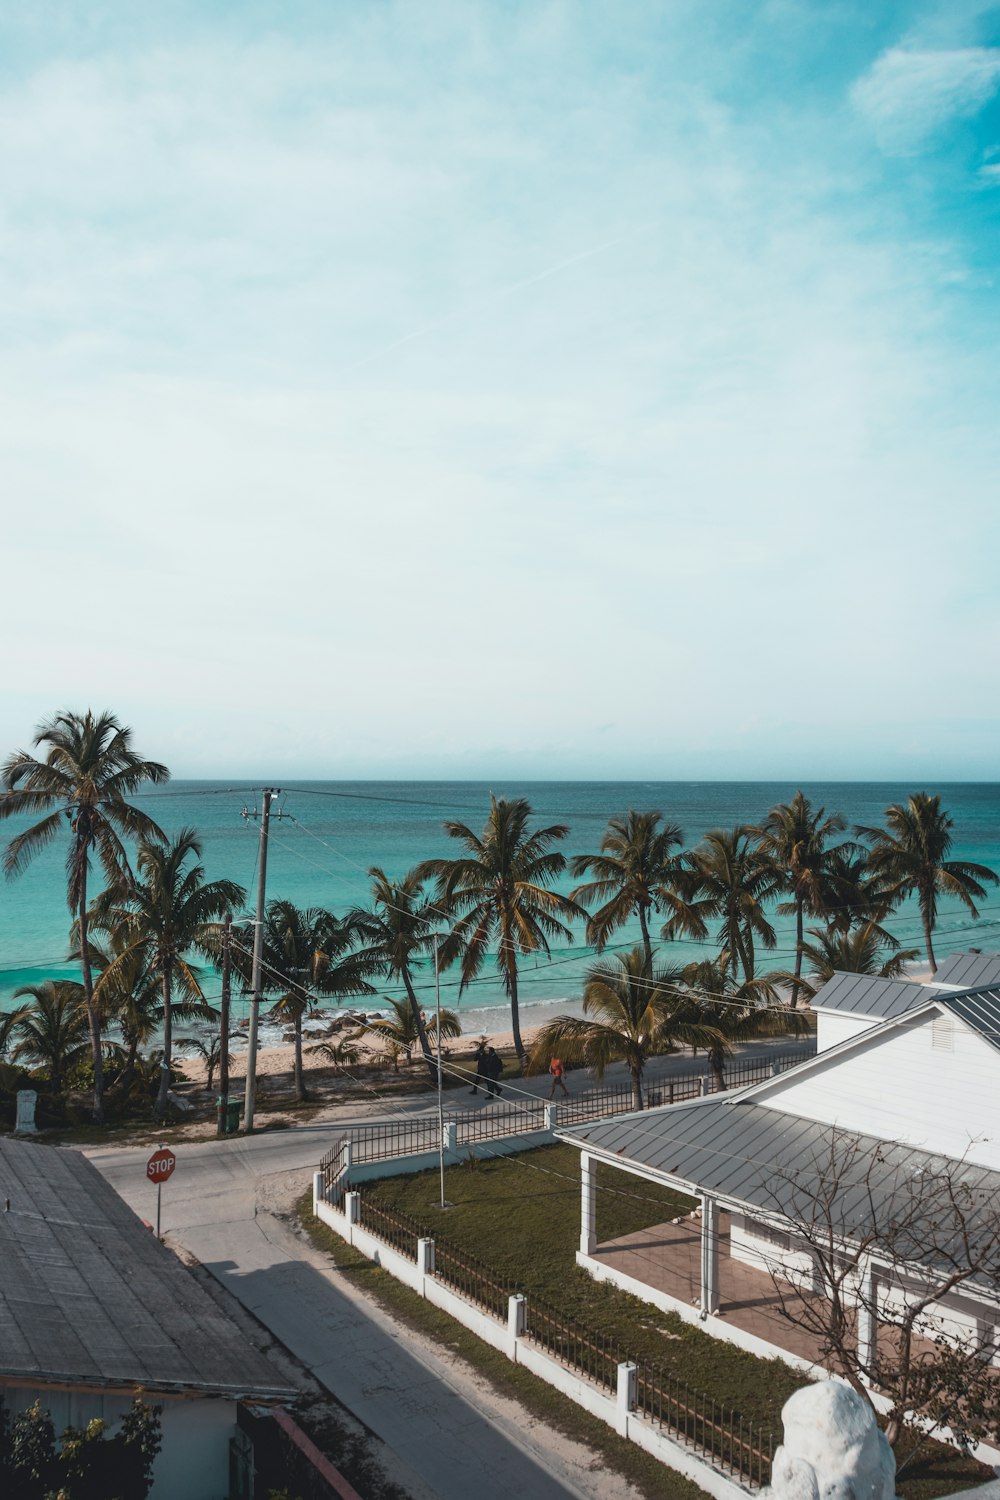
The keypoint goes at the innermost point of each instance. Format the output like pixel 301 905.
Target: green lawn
pixel 520 1216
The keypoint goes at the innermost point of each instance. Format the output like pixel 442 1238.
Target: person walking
pixel 557 1070
pixel 480 1068
pixel 493 1067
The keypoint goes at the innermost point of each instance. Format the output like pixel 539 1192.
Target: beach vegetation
pixel 862 950
pixel 398 1035
pixel 86 773
pixel 397 931
pixel 794 839
pixel 163 916
pixel 910 854
pixel 50 1032
pixel 737 1010
pixel 632 875
pixel 499 889
pixel 630 1011
pixel 305 953
pixel 728 879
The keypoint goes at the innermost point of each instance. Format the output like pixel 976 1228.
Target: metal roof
pixel 864 995
pixel 89 1296
pixel 979 1009
pixel 781 1164
pixel 970 970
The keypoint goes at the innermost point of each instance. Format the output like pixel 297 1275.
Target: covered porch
pixel 686 1267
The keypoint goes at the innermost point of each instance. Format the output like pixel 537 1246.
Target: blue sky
pixel 545 389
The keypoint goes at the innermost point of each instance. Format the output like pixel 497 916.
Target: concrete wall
pixel 193 1462
pixel 936 1087
pixel 425 1161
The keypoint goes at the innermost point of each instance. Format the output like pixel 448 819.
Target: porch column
pixel 709 1256
pixel 867 1317
pixel 588 1204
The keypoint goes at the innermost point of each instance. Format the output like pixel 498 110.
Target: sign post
pixel 159 1167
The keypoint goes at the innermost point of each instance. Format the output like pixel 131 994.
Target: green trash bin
pixel 229 1112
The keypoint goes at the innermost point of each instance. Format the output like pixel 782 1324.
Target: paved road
pixel 446 1437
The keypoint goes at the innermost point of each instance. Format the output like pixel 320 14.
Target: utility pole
pixel 440 1080
pixel 258 942
pixel 227 932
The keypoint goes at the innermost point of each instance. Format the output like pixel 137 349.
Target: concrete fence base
pixel 617 1410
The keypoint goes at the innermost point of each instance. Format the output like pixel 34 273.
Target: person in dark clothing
pixel 480 1068
pixel 492 1067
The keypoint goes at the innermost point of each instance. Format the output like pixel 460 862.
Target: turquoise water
pixel 331 832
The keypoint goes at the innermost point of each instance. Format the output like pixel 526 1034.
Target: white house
pixel 905 1087
pixel 93 1308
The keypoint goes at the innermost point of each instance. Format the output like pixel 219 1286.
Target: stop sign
pixel 160 1165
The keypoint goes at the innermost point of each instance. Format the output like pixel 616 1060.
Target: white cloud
pixel 910 93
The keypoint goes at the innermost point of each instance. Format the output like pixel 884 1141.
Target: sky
pixel 543 389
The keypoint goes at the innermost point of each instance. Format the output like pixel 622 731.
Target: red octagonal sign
pixel 160 1165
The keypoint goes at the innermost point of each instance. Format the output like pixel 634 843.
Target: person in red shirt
pixel 557 1070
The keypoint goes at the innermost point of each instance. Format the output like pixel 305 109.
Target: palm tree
pixel 343 1053
pixel 88 771
pixel 400 1034
pixel 726 878
pixel 8 1020
pixel 305 953
pixel 130 995
pixel 857 898
pixel 210 1053
pixel 862 950
pixel 631 1011
pixel 633 873
pixel 794 838
pixel 910 857
pixel 397 930
pixel 164 916
pixel 737 1011
pixel 499 887
pixel 51 1031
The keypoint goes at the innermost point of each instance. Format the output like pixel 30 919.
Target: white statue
pixel 25 1123
pixel 833 1448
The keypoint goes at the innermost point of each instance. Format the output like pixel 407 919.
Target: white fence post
pixel 628 1391
pixel 551 1116
pixel 449 1140
pixel 352 1207
pixel 318 1194
pixel 517 1316
pixel 425 1257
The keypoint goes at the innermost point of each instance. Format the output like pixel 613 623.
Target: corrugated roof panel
pixel 88 1295
pixel 865 995
pixel 980 1009
pixel 971 970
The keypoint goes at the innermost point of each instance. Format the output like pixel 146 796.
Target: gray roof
pixel 865 995
pixel 980 1009
pixel 764 1158
pixel 970 970
pixel 88 1296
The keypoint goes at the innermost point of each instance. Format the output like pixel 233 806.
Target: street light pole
pixel 258 943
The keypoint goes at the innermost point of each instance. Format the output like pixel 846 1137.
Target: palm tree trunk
pixel 798 951
pixel 930 945
pixel 716 1061
pixel 636 1070
pixel 93 1018
pixel 224 1023
pixel 418 1021
pixel 300 1088
pixel 647 946
pixel 168 1045
pixel 515 1021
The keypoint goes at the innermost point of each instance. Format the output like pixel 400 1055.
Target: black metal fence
pixel 741 1448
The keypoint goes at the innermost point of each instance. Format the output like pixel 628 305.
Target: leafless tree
pixel 886 1235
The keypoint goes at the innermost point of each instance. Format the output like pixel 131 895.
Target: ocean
pixel 326 835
